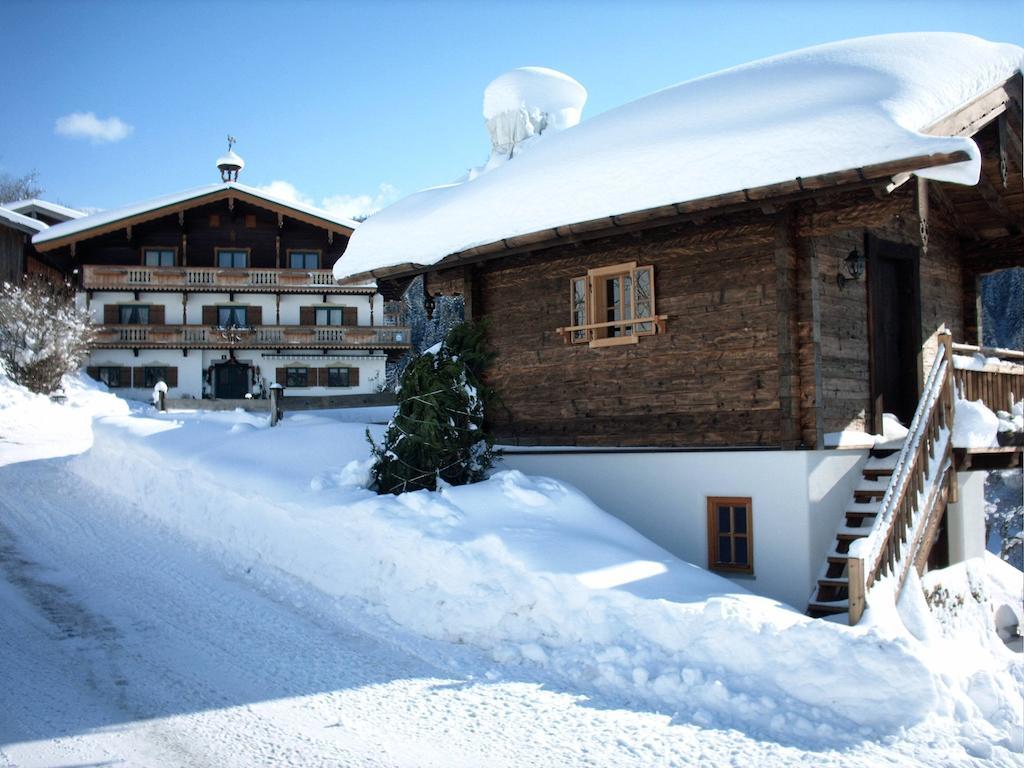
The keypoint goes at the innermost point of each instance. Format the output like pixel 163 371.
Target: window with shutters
pixel 133 314
pixel 330 316
pixel 297 377
pixel 233 317
pixel 232 258
pixel 730 538
pixel 612 305
pixel 112 376
pixel 159 257
pixel 304 259
pixel 338 377
pixel 153 374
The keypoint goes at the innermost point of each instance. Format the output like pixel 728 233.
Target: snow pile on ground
pixel 828 108
pixel 974 425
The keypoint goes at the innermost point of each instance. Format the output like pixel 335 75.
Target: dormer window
pixel 304 259
pixel 232 258
pixel 159 257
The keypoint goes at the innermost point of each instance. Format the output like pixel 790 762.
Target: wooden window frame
pixel 142 254
pixel 248 256
pixel 347 375
pixel 122 307
pixel 594 331
pixel 319 257
pixel 714 563
pixel 329 309
pixel 120 376
pixel 288 376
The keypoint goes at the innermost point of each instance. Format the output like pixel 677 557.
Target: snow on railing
pixel 923 473
pixel 993 375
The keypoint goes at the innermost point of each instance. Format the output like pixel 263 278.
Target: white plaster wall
pixel 171 302
pixel 290 304
pixel 965 519
pixel 797 500
pixel 189 369
pixel 371 368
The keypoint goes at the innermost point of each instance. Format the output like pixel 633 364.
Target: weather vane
pixel 231 141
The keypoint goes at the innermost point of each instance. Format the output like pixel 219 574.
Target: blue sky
pixel 360 103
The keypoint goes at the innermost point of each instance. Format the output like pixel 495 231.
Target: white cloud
pixel 348 206
pixel 85 125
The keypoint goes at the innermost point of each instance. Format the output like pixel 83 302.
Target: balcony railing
pixel 258 337
pixel 97 277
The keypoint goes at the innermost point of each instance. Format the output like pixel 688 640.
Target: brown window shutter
pixel 282 376
pixel 307 316
pixel 126 376
pixel 209 315
pixel 353 377
pixel 138 377
pixel 172 376
pixel 317 377
pixel 255 315
pixel 250 220
pixel 349 316
pixel 157 314
pixel 93 372
pixel 111 314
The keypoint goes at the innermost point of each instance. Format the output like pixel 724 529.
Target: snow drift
pixel 823 109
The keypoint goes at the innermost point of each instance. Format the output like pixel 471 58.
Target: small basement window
pixel 304 259
pixel 612 305
pixel 133 314
pixel 297 377
pixel 159 257
pixel 730 538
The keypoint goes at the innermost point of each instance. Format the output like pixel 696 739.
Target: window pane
pixel 110 376
pixel 329 316
pixel 643 295
pixel 153 374
pixel 303 260
pixel 724 550
pixel 232 316
pixel 134 315
pixel 156 257
pixel 740 551
pixel 231 259
pixel 579 306
pixel 337 377
pixel 296 377
pixel 723 520
pixel 739 516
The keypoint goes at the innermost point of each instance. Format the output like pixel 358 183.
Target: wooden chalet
pixel 762 319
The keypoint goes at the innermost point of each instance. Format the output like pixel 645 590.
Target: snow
pixel 828 108
pixel 893 435
pixel 974 426
pixel 35 205
pixel 510 615
pixel 20 222
pixel 93 220
pixel 232 160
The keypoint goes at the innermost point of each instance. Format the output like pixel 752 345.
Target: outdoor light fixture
pixel 854 267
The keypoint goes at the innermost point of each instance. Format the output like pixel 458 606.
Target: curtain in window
pixel 231 316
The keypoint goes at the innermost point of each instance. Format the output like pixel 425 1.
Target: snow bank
pixel 527 569
pixel 974 426
pixel 893 435
pixel 829 108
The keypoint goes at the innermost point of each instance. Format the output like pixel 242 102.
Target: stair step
pixel 874 474
pixel 834 581
pixel 828 609
pixel 853 534
pixel 868 494
pixel 882 462
pixel 858 514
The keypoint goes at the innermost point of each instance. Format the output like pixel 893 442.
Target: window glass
pixel 329 316
pixel 739 517
pixel 134 314
pixel 297 377
pixel 232 316
pixel 151 375
pixel 730 545
pixel 304 260
pixel 337 377
pixel 232 259
pixel 739 556
pixel 110 376
pixel 158 257
pixel 579 307
pixel 644 297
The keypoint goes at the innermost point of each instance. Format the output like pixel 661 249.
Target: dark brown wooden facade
pixel 762 346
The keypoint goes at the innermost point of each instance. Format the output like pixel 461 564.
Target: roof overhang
pixel 203 198
pixel 758 197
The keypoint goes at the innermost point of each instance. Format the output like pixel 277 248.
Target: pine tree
pixel 438 432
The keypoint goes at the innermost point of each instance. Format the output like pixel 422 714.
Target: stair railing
pixel 922 478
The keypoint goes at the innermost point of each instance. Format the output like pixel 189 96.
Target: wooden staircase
pixel 831 596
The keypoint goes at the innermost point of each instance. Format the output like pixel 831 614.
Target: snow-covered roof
pixel 20 222
pixel 34 205
pixel 103 218
pixel 826 109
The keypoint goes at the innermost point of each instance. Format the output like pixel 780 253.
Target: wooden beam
pixel 969 119
pixel 995 201
pixel 937 190
pixel 1011 150
pixel 786 301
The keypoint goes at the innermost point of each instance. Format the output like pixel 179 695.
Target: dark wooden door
pixel 895 322
pixel 232 381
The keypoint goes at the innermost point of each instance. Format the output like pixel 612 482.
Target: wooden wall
pixel 12 254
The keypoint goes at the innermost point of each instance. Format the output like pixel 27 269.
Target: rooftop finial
pixel 231 163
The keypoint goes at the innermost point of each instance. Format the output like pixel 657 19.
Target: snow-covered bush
pixel 43 335
pixel 437 433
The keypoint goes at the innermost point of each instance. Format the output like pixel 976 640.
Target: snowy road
pixel 121 645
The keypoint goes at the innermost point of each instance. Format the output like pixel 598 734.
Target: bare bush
pixel 43 335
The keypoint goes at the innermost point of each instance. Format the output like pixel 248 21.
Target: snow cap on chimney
pixel 528 101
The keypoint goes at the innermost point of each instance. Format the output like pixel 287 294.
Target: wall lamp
pixel 854 268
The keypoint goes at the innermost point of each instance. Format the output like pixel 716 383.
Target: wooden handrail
pixel 922 476
pixel 1011 354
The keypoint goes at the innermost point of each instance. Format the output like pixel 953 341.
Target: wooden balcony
pixel 259 337
pixel 97 277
